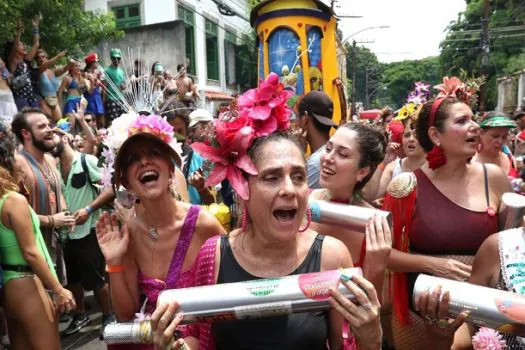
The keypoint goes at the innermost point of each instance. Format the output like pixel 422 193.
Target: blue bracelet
pixel 35 31
pixel 89 210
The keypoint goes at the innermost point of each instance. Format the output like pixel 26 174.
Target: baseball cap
pixel 320 106
pixel 199 115
pixel 90 58
pixel 115 53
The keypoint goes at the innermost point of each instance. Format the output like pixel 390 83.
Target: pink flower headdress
pixel 126 126
pixel 261 111
pixel 463 88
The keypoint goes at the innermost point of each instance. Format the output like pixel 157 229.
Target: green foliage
pixel 247 60
pixel 64 25
pixel 462 46
pixel 401 76
pixel 364 60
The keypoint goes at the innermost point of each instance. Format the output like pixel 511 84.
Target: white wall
pixel 156 11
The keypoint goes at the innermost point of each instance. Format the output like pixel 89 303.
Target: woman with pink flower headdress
pixel 267 169
pixel 443 211
pixel 157 247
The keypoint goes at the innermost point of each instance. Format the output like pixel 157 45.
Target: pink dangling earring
pixel 244 220
pixel 308 220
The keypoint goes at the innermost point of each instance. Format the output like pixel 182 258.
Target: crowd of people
pixel 118 183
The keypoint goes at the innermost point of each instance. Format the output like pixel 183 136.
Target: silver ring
pixel 367 306
pixel 430 320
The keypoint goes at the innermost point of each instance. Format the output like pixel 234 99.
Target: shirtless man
pixel 41 180
pixel 186 91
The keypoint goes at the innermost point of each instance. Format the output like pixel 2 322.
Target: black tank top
pixel 298 331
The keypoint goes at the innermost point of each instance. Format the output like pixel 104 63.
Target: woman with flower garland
pixel 267 169
pixel 157 248
pixel 443 211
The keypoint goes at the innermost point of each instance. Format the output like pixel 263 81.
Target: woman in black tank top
pixel 275 242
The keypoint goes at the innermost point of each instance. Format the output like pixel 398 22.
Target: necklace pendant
pixel 154 234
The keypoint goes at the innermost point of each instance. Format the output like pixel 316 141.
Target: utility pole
pixel 485 47
pixel 352 109
pixel 366 89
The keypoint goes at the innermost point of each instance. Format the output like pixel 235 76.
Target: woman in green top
pixel 27 267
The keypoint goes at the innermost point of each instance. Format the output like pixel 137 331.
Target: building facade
pixel 203 39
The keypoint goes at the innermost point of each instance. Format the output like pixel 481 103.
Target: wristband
pixel 381 166
pixel 51 221
pixel 35 31
pixel 114 268
pixel 89 209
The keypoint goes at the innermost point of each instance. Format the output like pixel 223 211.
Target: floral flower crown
pixel 415 101
pixel 126 126
pixel 261 111
pixel 463 91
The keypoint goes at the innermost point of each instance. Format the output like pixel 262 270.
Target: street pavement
pixel 88 337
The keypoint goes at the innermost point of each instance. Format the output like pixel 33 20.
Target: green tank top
pixel 10 253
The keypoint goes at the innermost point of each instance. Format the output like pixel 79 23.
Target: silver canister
pixel 242 300
pixel 513 210
pixel 348 216
pixel 486 307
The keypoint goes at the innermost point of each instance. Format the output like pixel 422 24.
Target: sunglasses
pixel 116 58
pixel 89 120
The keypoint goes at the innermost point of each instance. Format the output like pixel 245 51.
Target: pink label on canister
pixel 316 286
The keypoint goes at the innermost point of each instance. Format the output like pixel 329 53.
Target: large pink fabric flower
pixel 453 87
pixel 266 105
pixel 230 156
pixel 488 339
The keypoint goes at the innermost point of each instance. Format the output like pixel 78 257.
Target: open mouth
pixel 473 139
pixel 285 215
pixel 411 147
pixel 149 177
pixel 328 172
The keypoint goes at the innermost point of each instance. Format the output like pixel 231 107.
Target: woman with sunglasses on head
pixel 443 211
pixel 93 95
pixel 48 82
pixel 27 267
pixel 158 246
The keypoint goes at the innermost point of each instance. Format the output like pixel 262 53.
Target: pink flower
pixel 153 124
pixel 488 339
pixel 453 87
pixel 266 106
pixel 230 156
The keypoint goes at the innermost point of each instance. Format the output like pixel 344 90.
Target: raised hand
pixel 378 243
pixel 113 241
pixel 391 153
pixel 19 26
pixel 35 21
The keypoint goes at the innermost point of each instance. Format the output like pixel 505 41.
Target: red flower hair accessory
pixel 261 111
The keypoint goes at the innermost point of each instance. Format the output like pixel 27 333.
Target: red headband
pixel 433 111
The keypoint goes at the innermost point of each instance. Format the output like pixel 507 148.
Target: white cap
pixel 199 115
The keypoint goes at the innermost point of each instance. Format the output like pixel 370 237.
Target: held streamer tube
pixel 242 300
pixel 486 307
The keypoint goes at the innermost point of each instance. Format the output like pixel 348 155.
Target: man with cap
pixel 315 114
pixel 200 122
pixel 113 97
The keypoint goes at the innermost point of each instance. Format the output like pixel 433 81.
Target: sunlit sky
pixel 416 26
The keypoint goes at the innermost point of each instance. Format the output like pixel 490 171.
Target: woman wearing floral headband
pixel 268 171
pixel 495 128
pixel 456 208
pixel 158 247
